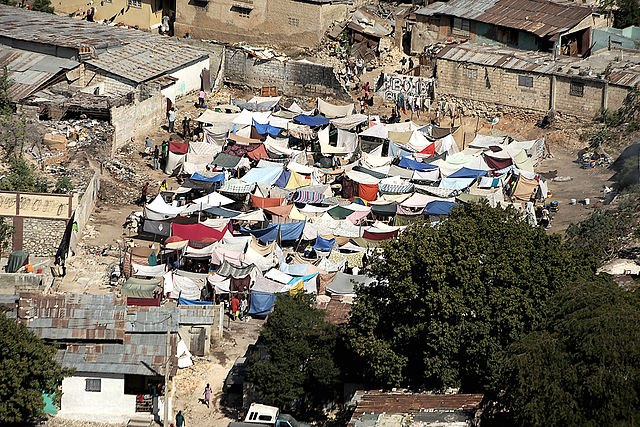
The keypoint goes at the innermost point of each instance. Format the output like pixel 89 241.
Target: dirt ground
pixel 190 382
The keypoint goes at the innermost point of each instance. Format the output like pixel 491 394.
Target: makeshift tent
pixel 265 202
pixel 408 163
pixel 331 110
pixel 178 147
pixel 439 207
pixel 313 121
pixel 16 260
pixel 159 210
pixel 196 231
pixel 265 176
pixel 159 228
pixel 468 173
pixel 324 245
pixel 261 303
pixel 266 129
pixel 289 231
pixel 226 161
pixel 141 288
pixel 344 284
pixel 216 177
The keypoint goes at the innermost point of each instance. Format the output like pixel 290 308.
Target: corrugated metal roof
pixel 47 28
pixel 376 402
pixel 147 59
pixel 540 17
pixel 30 71
pixel 599 66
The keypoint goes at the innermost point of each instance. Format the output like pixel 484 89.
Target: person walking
pixel 207 395
pixel 143 195
pixel 156 158
pixel 180 420
pixel 172 119
pixel 235 307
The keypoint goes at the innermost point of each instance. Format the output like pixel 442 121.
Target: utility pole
pixel 167 369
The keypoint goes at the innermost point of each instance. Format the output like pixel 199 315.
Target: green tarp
pixel 16 260
pixel 140 288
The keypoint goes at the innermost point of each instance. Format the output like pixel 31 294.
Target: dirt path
pixel 190 382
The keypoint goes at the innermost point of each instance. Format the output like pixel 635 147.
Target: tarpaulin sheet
pixel 497 163
pixel 266 129
pixel 185 301
pixel 312 121
pixel 140 288
pixel 408 163
pixel 265 176
pixel 219 177
pixel 384 210
pixel 297 180
pixel 196 231
pixel 267 286
pixel 456 183
pixel 227 161
pixel 333 111
pixel 222 212
pixel 159 210
pixel 178 147
pixel 258 153
pixel 339 212
pixel 468 173
pixel 229 270
pixel 525 188
pixel 289 231
pixel 324 245
pixel 240 150
pixel 368 192
pixel 347 140
pixel 439 207
pixel 160 228
pixel 265 202
pixel 380 236
pixel 283 179
pixel 148 271
pixel 261 303
pixel 198 185
pixel 349 122
pixel 344 284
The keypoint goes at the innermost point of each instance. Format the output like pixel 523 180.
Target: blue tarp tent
pixel 408 163
pixel 216 178
pixel 264 129
pixel 261 303
pixel 283 179
pixel 289 231
pixel 439 207
pixel 324 245
pixel 294 269
pixel 456 183
pixel 305 278
pixel 312 121
pixel 468 173
pixel 265 176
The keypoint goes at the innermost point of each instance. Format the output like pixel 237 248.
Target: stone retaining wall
pixel 42 237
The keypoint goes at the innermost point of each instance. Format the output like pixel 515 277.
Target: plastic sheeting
pixel 159 210
pixel 344 284
pixel 290 231
pixel 148 271
pixel 313 121
pixel 332 110
pixel 265 176
pixel 324 245
pixel 196 231
pixel 261 303
pixel 439 207
pixel 408 163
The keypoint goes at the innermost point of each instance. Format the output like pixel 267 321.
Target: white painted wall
pixel 188 80
pixel 109 405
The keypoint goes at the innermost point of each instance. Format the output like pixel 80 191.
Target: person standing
pixel 243 308
pixel 143 195
pixel 148 145
pixel 164 151
pixel 201 97
pixel 207 395
pixel 235 307
pixel 172 119
pixel 180 420
pixel 156 158
pixel 164 186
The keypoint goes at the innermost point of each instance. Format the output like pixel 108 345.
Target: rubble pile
pixel 96 135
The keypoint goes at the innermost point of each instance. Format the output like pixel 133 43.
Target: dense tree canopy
pixel 28 369
pixel 451 298
pixel 583 366
pixel 298 369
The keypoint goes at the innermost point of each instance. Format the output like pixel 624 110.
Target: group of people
pixel 158 154
pixel 238 307
pixel 352 71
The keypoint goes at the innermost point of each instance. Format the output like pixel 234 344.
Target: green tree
pixel 43 6
pixel 449 299
pixel 6 104
pixel 28 370
pixel 582 367
pixel 6 231
pixel 297 368
pixel 63 185
pixel 23 177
